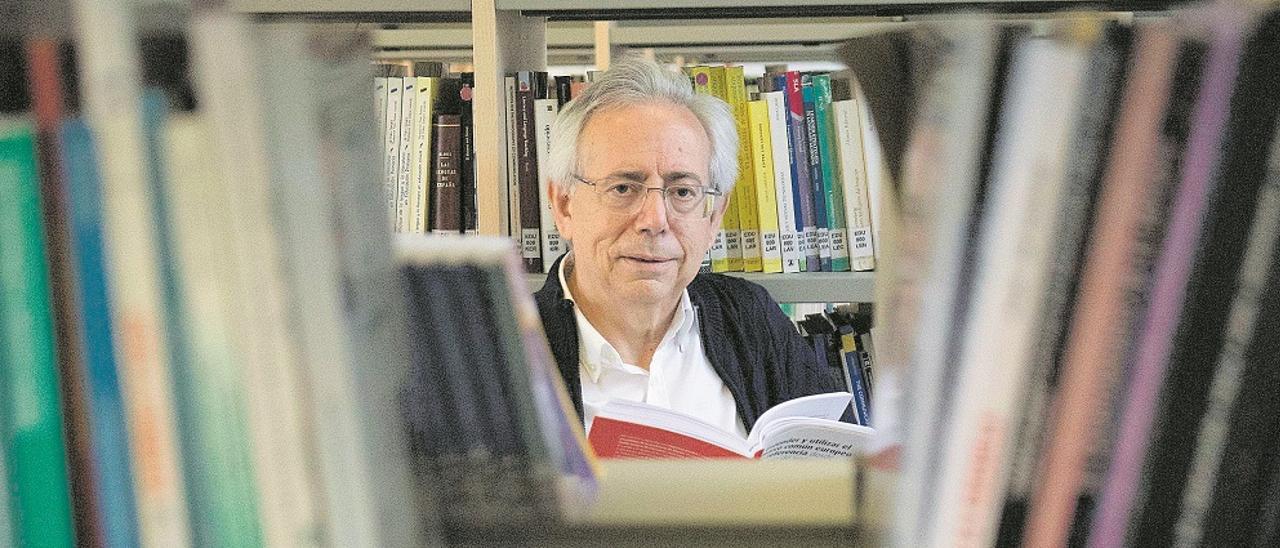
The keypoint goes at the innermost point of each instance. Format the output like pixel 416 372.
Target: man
pixel 641 170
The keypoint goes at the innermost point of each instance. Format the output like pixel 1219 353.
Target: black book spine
pixel 467 164
pixel 446 174
pixel 527 170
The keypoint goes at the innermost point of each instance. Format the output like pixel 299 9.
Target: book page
pixel 822 406
pixel 798 437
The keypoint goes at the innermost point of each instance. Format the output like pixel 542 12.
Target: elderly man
pixel 641 170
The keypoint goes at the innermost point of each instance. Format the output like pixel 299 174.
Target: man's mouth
pixel 647 259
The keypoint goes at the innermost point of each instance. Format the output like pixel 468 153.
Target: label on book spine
pixel 811 243
pixel 530 243
pixel 861 242
pixel 769 243
pixel 789 244
pixel 839 247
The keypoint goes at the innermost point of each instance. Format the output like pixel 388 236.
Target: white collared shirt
pixel 680 376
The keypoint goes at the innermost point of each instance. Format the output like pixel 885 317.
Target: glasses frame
pixel 707 208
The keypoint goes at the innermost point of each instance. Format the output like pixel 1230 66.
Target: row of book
pixel 841 338
pixel 424 121
pixel 804 199
pixel 206 338
pixel 807 186
pixel 1079 337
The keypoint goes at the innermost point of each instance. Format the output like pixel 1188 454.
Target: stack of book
pixel 206 302
pixel 841 338
pixel 1079 342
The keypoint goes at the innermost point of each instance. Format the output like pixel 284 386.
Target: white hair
pixel 635 80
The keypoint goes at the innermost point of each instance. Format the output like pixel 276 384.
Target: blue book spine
pixel 110 438
pixel 817 187
pixel 800 185
pixel 853 372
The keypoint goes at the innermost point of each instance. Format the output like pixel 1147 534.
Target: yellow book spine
pixel 702 83
pixel 730 224
pixel 745 190
pixel 765 189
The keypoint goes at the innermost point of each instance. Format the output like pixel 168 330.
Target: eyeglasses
pixel 625 197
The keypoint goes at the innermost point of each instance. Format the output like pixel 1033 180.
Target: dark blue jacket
pixel 750 343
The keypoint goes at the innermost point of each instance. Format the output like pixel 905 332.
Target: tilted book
pixel 799 428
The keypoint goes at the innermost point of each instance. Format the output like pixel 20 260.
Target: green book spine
pixel 830 174
pixel 30 406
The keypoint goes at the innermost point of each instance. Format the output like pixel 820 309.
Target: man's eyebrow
pixel 641 176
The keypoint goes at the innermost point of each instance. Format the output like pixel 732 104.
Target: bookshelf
pixel 805 287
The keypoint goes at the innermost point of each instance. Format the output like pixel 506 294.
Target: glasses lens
pixel 622 195
pixel 684 199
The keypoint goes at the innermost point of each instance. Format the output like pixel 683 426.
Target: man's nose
pixel 652 216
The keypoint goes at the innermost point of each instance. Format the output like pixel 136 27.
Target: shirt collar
pixel 595 350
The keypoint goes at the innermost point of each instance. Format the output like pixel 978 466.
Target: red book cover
pixel 612 438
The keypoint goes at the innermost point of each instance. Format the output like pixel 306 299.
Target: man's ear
pixel 559 199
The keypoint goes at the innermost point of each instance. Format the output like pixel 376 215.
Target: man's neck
pixel 634 329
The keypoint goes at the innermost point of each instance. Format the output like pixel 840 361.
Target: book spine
pixel 564 90
pixel 513 170
pixel 527 166
pixel 48 106
pixel 391 147
pixel 779 143
pixel 719 87
pixel 801 187
pixel 31 430
pixel 856 378
pixel 817 180
pixel 446 177
pixel 404 181
pixel 830 173
pixel 744 191
pixel 718 256
pixel 1172 271
pixel 420 162
pixel 766 191
pixel 470 192
pixel 545 111
pixel 853 180
pixel 1014 258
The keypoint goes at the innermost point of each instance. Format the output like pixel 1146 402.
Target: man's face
pixel 651 254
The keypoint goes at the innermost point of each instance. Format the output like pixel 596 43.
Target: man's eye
pixel 622 189
pixel 683 192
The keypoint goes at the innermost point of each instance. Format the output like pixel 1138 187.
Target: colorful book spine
pixel 817 178
pixel 545 111
pixel 834 191
pixel 1172 272
pixel 789 236
pixel 719 252
pixel 802 188
pixel 766 190
pixel 31 417
pixel 744 191
pixel 113 471
pixel 855 379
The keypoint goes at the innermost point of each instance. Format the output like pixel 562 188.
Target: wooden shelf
pixel 805 287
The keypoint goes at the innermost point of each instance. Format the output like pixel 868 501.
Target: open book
pixel 803 427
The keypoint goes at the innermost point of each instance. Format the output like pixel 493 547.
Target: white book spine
pixel 544 115
pixel 1014 258
pixel 404 206
pixel 420 159
pixel 877 170
pixel 391 147
pixel 248 79
pixel 853 175
pixel 110 86
pixel 790 237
